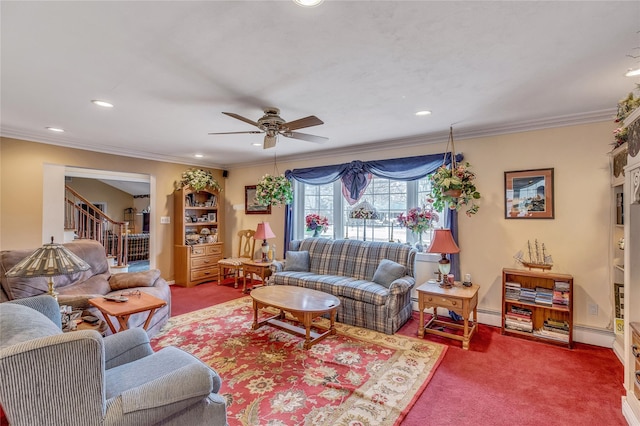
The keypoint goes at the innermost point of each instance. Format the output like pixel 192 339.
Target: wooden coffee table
pixel 123 310
pixel 304 304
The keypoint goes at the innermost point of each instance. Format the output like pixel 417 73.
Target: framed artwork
pixel 251 206
pixel 528 194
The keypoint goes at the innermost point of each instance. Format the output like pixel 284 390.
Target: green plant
pixel 455 188
pixel 625 107
pixel 198 180
pixel 274 190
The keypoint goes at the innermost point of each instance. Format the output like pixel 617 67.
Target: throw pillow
pixel 297 261
pixel 387 272
pixel 20 323
pixel 134 279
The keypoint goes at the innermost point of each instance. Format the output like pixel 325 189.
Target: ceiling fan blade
pixel 236 133
pixel 306 137
pixel 241 118
pixel 309 121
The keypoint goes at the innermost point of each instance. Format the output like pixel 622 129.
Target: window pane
pixel 319 200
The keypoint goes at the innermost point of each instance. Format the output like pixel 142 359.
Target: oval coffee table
pixel 303 303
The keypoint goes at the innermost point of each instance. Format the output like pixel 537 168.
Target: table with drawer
pixel 458 298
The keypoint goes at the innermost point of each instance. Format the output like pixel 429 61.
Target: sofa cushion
pixel 134 279
pixel 387 272
pixel 297 261
pixel 20 323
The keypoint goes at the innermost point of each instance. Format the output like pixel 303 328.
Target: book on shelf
pixel 548 334
pixel 519 326
pixel 527 295
pixel 544 296
pixel 512 291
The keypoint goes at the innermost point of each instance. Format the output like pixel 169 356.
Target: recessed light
pixel 103 104
pixel 55 129
pixel 308 3
pixel 256 144
pixel 198 155
pixel 632 72
pixel 425 112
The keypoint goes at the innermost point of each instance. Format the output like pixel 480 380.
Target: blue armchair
pixel 55 378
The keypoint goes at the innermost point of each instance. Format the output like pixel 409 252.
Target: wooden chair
pixel 246 250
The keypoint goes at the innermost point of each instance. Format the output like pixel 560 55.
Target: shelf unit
pixel 617 161
pixel 195 257
pixel 539 312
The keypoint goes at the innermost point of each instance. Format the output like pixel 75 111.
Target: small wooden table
pixel 462 300
pixel 250 267
pixel 123 310
pixel 303 303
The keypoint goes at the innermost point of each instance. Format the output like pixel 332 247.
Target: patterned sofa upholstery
pixel 345 268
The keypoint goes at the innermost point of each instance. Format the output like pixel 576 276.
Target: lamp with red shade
pixel 264 232
pixel 444 244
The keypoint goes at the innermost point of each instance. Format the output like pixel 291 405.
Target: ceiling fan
pixel 272 125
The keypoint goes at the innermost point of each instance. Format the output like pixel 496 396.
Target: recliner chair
pixel 55 378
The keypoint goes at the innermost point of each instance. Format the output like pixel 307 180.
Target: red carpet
pixel 500 381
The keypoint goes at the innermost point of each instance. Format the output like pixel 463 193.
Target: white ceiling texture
pixel 172 67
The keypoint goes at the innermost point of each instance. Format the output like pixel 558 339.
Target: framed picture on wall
pixel 251 206
pixel 528 194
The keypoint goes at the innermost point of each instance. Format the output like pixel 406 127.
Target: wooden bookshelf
pixel 515 305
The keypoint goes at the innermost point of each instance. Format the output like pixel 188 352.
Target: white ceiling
pixel 364 68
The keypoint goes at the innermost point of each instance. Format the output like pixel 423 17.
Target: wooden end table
pixel 458 298
pixel 123 310
pixel 303 303
pixel 250 267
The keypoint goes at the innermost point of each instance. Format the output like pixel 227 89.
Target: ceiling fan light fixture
pixel 632 72
pixel 423 112
pixel 308 3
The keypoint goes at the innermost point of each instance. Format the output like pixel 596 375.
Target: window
pixel 389 197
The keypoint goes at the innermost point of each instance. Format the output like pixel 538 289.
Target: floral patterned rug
pixel 356 377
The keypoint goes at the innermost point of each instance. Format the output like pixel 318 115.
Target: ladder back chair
pixel 246 250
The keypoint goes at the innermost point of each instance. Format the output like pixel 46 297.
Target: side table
pixel 460 299
pixel 123 310
pixel 250 267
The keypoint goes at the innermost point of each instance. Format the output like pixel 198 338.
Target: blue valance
pixel 356 175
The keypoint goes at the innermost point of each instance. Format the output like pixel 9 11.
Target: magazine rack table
pixel 303 303
pixel 123 310
pixel 462 300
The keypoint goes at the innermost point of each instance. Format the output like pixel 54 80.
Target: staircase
pixel 89 222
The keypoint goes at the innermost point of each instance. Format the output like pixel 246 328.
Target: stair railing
pixel 89 222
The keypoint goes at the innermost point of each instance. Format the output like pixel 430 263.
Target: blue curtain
pixel 356 175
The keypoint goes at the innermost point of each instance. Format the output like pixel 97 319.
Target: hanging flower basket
pixel 198 180
pixel 274 190
pixel 453 186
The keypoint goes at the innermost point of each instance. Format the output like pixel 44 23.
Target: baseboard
pixel 628 413
pixel 171 282
pixel 583 334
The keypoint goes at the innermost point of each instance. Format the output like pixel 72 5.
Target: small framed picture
pixel 211 217
pixel 528 194
pixel 251 206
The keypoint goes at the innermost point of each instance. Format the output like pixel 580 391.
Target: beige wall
pixel 577 238
pixel 21 193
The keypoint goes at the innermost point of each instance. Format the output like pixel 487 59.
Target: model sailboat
pixel 538 257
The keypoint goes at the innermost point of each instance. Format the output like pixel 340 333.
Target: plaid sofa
pixel 345 268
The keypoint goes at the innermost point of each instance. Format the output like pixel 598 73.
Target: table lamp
pixel 364 210
pixel 444 244
pixel 263 232
pixel 50 260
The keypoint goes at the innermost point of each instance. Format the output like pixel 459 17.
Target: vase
pixel 419 245
pixel 316 232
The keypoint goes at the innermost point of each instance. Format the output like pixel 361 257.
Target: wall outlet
pixel 165 219
pixel 593 309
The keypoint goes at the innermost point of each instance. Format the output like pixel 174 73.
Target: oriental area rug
pixel 356 377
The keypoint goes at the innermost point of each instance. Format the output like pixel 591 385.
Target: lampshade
pixel 50 260
pixel 264 232
pixel 443 242
pixel 364 210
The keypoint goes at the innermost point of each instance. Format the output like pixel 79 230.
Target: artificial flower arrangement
pixel 454 187
pixel 199 179
pixel 274 190
pixel 316 223
pixel 419 219
pixel 625 107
